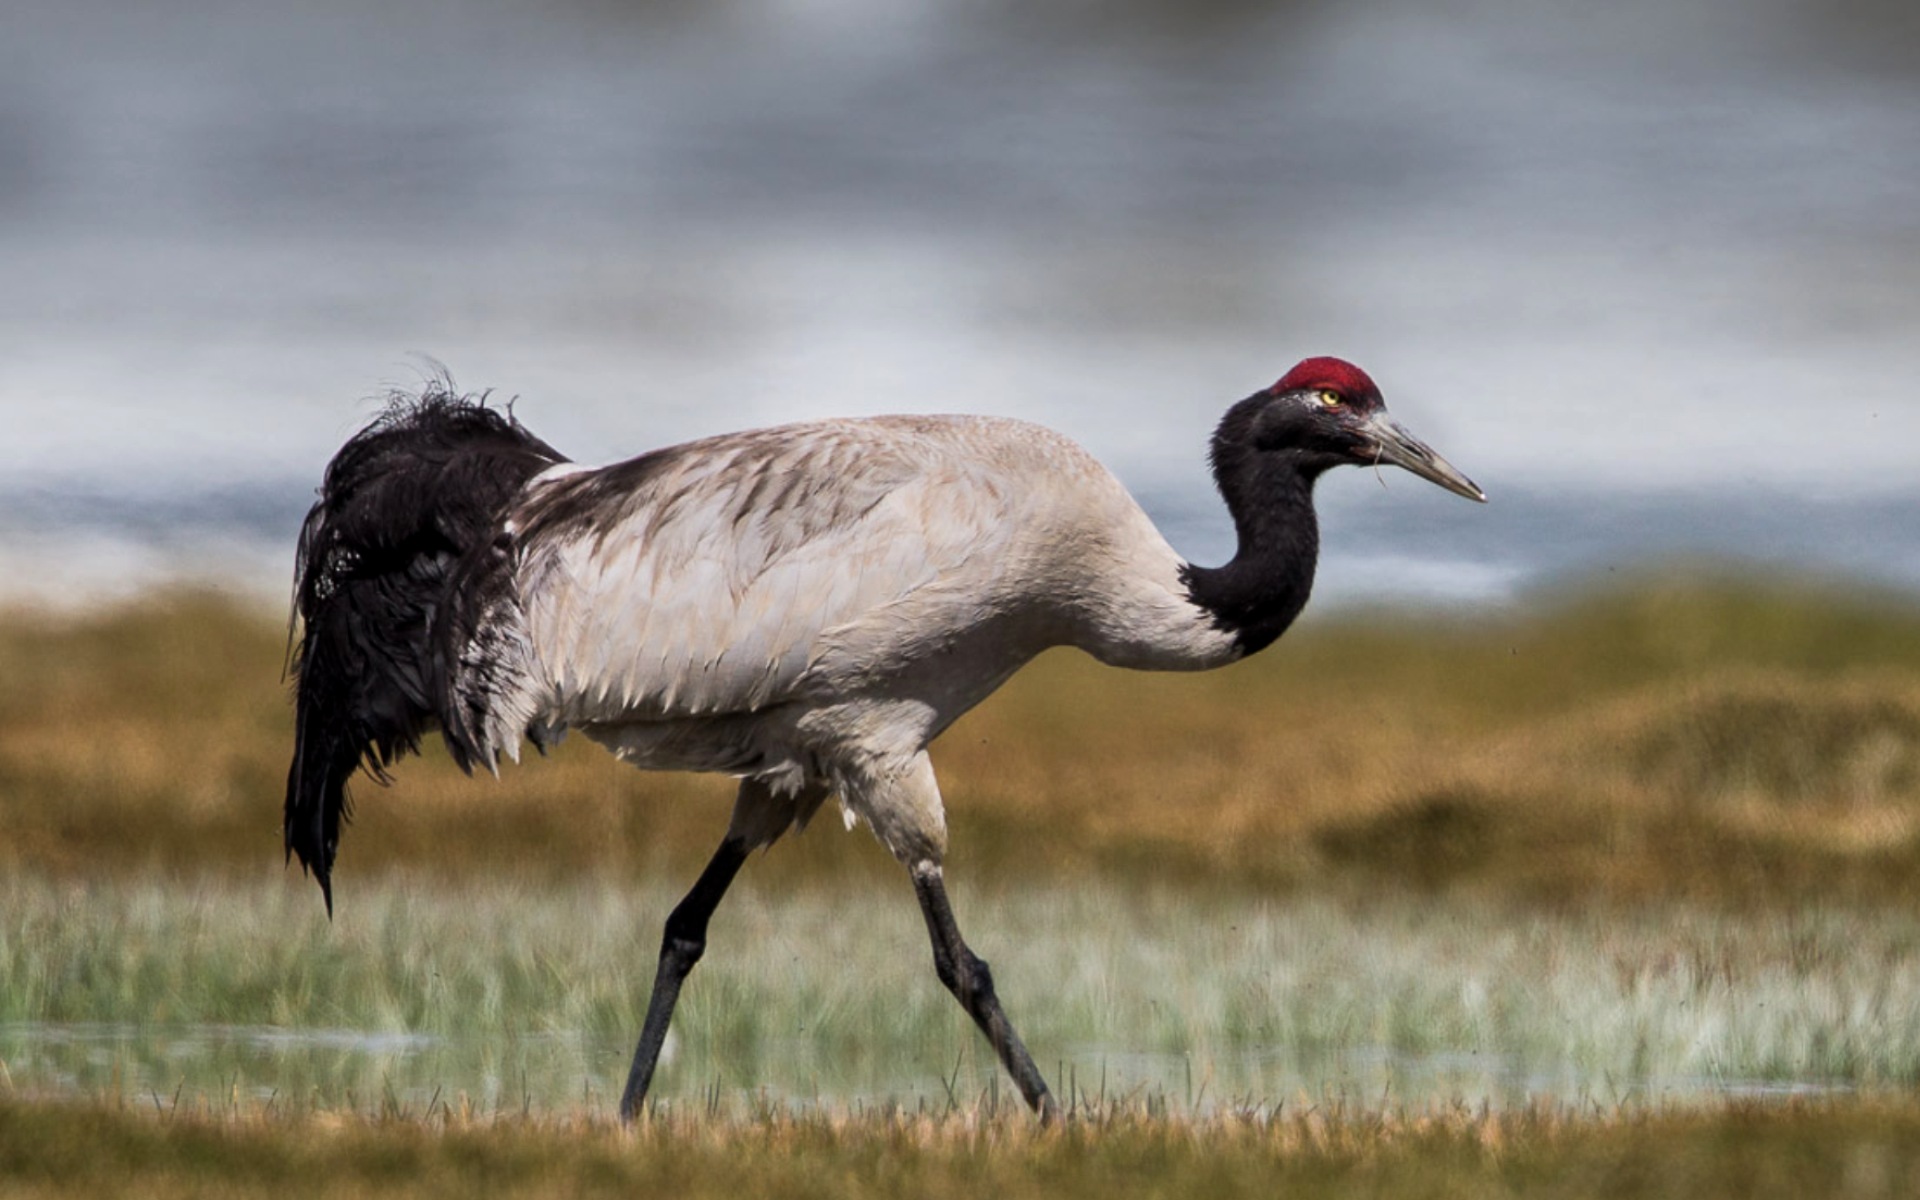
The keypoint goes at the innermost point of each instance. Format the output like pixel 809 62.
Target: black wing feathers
pixel 404 502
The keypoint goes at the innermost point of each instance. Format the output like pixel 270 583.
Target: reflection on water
pixel 330 1066
pixel 567 1071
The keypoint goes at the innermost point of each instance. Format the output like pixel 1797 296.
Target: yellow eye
pixel 1330 399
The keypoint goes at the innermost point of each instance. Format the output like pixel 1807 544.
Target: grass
pixel 533 995
pixel 1715 741
pixel 1820 1148
pixel 1279 927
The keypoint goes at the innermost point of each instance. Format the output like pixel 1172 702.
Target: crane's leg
pixel 967 977
pixel 901 800
pixel 684 943
pixel 760 816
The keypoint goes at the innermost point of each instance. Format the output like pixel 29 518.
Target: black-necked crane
pixel 804 608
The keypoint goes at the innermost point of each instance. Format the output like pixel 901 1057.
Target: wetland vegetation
pixel 1518 897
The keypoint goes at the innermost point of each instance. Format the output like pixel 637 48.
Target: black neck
pixel 1270 494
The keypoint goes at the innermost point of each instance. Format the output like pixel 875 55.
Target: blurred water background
pixel 1646 270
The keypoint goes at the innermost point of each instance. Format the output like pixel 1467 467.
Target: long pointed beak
pixel 1392 443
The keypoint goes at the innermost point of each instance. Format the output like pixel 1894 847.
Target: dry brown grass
pixel 1709 740
pixel 1856 1148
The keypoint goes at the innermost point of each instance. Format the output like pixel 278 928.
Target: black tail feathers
pixel 409 496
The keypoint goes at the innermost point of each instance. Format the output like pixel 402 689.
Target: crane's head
pixel 1330 409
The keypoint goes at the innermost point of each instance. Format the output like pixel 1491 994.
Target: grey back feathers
pixel 801 565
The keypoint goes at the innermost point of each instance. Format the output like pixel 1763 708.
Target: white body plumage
pixel 809 606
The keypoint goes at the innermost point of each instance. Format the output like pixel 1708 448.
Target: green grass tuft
pixel 534 995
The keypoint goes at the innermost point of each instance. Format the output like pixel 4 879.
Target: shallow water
pixel 1646 272
pixel 568 1071
pixel 512 997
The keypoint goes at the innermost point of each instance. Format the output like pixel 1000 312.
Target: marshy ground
pixel 1609 891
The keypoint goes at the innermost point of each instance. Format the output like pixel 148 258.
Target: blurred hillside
pixel 1722 742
